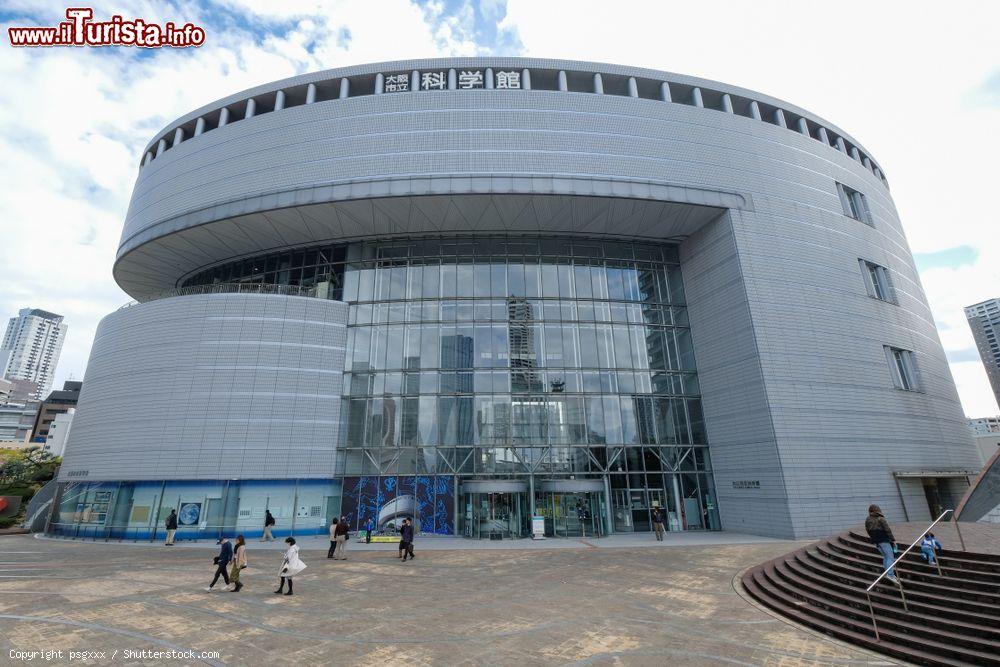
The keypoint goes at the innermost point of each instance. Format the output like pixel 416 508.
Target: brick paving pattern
pixel 586 606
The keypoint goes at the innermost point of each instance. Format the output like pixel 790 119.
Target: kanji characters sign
pixel 465 79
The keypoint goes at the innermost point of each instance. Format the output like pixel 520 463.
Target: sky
pixel 917 83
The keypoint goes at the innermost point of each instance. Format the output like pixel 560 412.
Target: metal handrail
pixel 899 583
pixel 228 288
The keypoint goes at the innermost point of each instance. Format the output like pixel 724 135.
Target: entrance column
pixel 609 522
pixel 676 486
pixel 531 496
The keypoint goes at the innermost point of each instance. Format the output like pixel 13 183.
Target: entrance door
pixel 572 514
pixel 494 515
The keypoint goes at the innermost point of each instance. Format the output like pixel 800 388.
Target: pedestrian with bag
pixel 881 536
pixel 268 524
pixel 290 566
pixel 222 563
pixel 658 523
pixel 929 546
pixel 171 524
pixel 333 539
pixel 239 563
pixel 342 535
pixel 406 532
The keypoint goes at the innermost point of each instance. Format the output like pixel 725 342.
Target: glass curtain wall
pixel 527 357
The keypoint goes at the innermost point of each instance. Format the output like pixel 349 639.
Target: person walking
pixel 881 536
pixel 369 527
pixel 929 546
pixel 658 523
pixel 239 563
pixel 333 539
pixel 221 563
pixel 406 532
pixel 290 566
pixel 268 523
pixel 341 533
pixel 171 524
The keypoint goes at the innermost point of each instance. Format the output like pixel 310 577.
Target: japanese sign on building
pixel 397 83
pixel 433 80
pixel 464 80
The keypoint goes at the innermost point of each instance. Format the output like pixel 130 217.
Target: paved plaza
pixel 575 604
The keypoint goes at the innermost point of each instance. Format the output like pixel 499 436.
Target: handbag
pixel 215 560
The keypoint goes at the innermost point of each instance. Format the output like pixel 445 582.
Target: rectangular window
pixel 878 282
pixel 903 368
pixel 855 204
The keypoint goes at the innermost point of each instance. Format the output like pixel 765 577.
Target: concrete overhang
pixel 162 256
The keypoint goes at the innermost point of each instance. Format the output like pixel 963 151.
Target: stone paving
pixel 674 604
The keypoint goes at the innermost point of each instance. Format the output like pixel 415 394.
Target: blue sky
pixel 919 86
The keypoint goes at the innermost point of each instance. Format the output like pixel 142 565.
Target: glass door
pixel 497 515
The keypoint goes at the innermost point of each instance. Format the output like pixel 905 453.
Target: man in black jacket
pixel 881 536
pixel 406 538
pixel 268 522
pixel 171 528
pixel 222 561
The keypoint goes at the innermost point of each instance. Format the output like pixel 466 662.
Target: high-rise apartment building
pixel 984 320
pixel 31 347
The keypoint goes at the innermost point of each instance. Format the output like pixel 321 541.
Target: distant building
pixel 5 388
pixel 16 421
pixel 31 347
pixel 21 391
pixel 56 403
pixel 58 433
pixel 984 320
pixel 986 432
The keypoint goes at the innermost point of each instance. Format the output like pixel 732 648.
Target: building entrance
pixel 494 510
pixel 572 508
pixel 571 514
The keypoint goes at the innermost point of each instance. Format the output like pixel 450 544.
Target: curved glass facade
pixel 487 380
pixel 527 358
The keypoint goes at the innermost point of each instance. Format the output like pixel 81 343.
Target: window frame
pixel 855 204
pixel 878 281
pixel 903 368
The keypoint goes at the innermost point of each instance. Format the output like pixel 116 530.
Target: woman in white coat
pixel 290 566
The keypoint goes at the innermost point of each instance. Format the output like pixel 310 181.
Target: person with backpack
pixel 929 546
pixel 221 563
pixel 268 524
pixel 239 563
pixel 881 536
pixel 171 524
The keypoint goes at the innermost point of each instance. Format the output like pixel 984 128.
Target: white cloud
pixel 917 87
pixel 913 83
pixel 74 126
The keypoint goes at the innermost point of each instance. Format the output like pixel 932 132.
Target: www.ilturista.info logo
pixel 81 30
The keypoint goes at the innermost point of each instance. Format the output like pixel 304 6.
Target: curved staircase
pixel 952 618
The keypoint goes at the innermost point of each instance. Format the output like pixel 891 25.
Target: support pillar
pixel 224 117
pixel 345 88
pixel 665 92
pixel 251 108
pixel 279 100
pixel 199 126
pixel 727 103
pixel 755 110
pixel 697 99
pixel 311 93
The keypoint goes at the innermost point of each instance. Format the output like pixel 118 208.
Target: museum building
pixel 479 290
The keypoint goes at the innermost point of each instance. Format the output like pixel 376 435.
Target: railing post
pixel 959 531
pixel 871 610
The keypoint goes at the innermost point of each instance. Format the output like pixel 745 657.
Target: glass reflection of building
pixel 528 359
